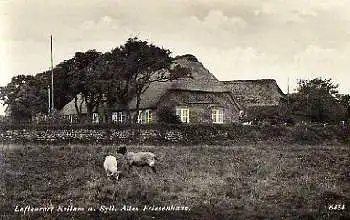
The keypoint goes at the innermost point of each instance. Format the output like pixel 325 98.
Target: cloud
pixel 217 20
pixel 240 62
pixel 318 61
pixel 103 24
pixel 250 63
pixel 316 55
pixel 4 67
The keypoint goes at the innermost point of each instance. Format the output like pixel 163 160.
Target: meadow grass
pixel 216 182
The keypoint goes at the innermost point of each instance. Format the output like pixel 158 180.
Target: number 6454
pixel 336 207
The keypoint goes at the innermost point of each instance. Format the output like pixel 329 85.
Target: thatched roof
pixel 202 80
pixel 69 109
pixel 263 92
pixel 197 69
pixel 8 110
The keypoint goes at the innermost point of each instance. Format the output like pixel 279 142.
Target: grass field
pixel 214 182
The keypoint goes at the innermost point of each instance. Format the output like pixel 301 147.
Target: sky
pixel 234 39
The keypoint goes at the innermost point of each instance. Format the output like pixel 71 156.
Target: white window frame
pixel 144 116
pixel 183 113
pixel 114 117
pixel 217 115
pixel 95 118
pixel 122 117
pixel 71 117
pixel 119 117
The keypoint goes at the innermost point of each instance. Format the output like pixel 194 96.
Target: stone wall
pixel 184 135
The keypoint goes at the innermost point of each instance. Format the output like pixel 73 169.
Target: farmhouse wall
pixel 200 104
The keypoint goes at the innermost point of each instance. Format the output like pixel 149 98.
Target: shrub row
pixel 173 134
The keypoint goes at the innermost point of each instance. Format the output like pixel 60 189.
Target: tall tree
pixel 345 102
pixel 64 83
pixel 118 76
pixel 139 64
pixel 108 84
pixel 82 79
pixel 317 100
pixel 25 95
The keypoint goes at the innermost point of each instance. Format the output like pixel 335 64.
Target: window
pixel 144 117
pixel 217 115
pixel 183 113
pixel 119 117
pixel 95 118
pixel 71 118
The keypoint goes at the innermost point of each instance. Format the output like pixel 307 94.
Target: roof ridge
pixel 249 80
